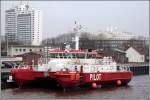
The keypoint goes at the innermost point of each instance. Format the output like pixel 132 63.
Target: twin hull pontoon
pixel 71 72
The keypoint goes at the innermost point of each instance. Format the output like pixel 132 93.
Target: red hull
pixel 67 79
pixel 85 78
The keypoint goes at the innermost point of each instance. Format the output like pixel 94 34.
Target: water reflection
pixel 137 89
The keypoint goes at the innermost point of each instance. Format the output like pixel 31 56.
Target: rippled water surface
pixel 138 88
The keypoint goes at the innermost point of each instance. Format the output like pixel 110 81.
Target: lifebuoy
pixel 118 82
pixel 94 85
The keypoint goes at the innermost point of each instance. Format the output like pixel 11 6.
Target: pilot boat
pixel 74 68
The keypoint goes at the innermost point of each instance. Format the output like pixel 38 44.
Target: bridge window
pixel 16 49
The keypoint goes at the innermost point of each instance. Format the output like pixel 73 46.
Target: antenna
pixel 27 2
pixel 77 33
pixel 46 50
pixel 20 2
pixel 12 4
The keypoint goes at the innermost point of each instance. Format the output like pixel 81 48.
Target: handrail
pixel 24 66
pixel 124 68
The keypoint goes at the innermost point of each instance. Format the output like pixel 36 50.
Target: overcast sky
pixel 59 16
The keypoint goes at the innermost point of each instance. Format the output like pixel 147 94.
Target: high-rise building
pixel 24 24
pixel 11 25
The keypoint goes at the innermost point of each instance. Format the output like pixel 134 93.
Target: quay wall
pixel 137 69
pixel 140 70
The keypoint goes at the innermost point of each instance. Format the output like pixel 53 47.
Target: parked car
pixel 7 65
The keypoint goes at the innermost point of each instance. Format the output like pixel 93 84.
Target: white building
pixel 123 36
pixel 18 50
pixel 24 24
pixel 15 50
pixel 134 55
pixel 117 35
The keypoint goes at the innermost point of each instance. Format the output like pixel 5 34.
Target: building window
pixel 24 50
pixel 30 50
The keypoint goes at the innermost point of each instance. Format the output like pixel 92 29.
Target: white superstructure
pixel 89 65
pixel 24 24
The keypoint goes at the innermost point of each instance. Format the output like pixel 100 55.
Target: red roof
pixel 56 51
pixel 93 52
pixel 140 50
pixel 76 51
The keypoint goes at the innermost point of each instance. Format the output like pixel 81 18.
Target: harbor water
pixel 138 88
